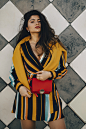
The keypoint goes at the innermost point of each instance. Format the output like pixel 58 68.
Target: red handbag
pixel 41 87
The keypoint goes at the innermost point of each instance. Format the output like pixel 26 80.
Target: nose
pixel 37 22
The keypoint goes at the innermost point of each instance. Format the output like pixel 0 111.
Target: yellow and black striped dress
pixel 37 108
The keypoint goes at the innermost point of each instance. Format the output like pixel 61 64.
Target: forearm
pixel 14 79
pixel 60 71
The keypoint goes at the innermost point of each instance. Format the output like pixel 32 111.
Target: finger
pixel 27 94
pixel 29 91
pixel 38 77
pixel 39 72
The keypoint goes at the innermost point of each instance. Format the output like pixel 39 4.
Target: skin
pixel 41 75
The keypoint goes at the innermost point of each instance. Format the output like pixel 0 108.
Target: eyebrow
pixel 34 19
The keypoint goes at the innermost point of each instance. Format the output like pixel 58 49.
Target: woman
pixel 40 54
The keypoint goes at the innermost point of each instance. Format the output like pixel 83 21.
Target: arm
pixel 17 84
pixel 60 71
pixel 14 79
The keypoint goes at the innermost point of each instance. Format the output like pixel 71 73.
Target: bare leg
pixel 28 124
pixel 57 124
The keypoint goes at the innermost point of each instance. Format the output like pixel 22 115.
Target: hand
pixel 43 75
pixel 24 91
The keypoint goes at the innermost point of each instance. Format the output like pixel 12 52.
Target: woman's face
pixel 34 24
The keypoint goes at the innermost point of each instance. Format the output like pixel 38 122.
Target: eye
pixel 32 22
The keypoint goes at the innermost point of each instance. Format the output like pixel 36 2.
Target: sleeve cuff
pixel 53 75
pixel 62 74
pixel 18 85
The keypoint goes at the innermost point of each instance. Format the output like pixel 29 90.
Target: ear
pixel 27 28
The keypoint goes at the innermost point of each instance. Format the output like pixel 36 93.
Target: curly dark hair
pixel 47 34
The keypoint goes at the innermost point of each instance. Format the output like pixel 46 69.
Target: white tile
pixel 63 103
pixel 47 127
pixel 6 62
pixel 78 104
pixel 6 128
pixel 79 64
pixel 6 101
pixel 79 24
pixel 9 20
pixel 84 127
pixel 56 20
pixel 66 64
pixel 46 122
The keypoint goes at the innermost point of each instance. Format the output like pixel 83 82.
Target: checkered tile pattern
pixel 68 18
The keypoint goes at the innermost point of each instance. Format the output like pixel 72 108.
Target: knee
pixel 28 124
pixel 28 127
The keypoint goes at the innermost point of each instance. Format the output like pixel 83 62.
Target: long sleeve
pixel 14 79
pixel 61 70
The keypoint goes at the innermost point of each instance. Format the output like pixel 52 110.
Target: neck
pixel 35 38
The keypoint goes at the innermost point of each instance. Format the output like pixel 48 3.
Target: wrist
pixel 19 88
pixel 50 75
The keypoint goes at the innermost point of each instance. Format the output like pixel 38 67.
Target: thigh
pixel 57 124
pixel 28 124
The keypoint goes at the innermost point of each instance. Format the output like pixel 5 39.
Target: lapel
pixel 18 63
pixel 27 51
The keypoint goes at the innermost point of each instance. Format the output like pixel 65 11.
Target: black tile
pixel 14 41
pixel 3 42
pixel 3 2
pixel 40 125
pixel 15 124
pixel 69 86
pixel 50 1
pixel 27 5
pixel 40 4
pixel 70 9
pixel 23 5
pixel 2 84
pixel 72 120
pixel 73 42
pixel 2 125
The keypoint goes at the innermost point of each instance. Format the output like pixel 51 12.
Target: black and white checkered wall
pixel 68 18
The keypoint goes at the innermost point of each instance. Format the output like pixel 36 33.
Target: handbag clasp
pixel 41 91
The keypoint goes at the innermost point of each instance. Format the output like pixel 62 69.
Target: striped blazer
pixel 26 64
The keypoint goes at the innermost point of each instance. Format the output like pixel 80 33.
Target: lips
pixel 37 27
